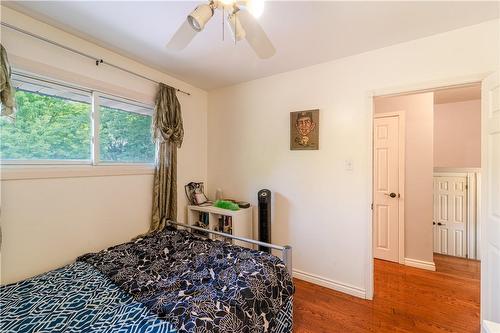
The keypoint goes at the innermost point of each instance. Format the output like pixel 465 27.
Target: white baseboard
pixel 331 284
pixel 428 265
pixel 490 327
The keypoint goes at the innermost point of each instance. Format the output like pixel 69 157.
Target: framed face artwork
pixel 304 130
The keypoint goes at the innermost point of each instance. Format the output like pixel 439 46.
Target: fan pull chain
pixel 223 15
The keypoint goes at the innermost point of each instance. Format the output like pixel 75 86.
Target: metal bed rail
pixel 286 250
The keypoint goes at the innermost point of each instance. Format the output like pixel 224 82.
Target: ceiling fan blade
pixel 182 37
pixel 256 36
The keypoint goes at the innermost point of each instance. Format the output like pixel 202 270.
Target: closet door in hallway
pixel 450 215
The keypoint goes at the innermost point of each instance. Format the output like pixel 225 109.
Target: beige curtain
pixel 168 133
pixel 6 91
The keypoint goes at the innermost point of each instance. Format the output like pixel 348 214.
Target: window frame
pixel 94 157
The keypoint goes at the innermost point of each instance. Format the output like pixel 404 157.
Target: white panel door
pixel 490 199
pixel 386 188
pixel 450 216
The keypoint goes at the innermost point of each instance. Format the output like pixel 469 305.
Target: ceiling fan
pixel 241 19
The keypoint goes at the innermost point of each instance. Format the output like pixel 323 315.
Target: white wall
pixel 46 223
pixel 320 208
pixel 418 192
pixel 457 135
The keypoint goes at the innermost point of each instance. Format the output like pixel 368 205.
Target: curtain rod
pixel 98 61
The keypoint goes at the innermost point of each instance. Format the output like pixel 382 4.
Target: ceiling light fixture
pixel 200 16
pixel 255 7
pixel 242 21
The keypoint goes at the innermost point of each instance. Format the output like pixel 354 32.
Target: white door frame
pixel 395 91
pixel 401 177
pixel 490 241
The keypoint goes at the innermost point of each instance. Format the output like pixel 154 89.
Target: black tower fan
pixel 264 197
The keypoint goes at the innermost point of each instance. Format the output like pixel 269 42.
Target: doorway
pixel 436 195
pixel 430 143
pixel 406 187
pixel 457 169
pixel 488 209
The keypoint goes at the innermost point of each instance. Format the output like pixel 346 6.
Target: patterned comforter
pixel 199 285
pixel 74 299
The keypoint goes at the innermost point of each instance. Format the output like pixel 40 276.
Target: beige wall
pixel 46 223
pixel 418 110
pixel 319 207
pixel 457 135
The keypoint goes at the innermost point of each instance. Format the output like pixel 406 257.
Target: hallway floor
pixel 406 300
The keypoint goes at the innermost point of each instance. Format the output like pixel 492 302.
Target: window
pixel 54 125
pixel 125 132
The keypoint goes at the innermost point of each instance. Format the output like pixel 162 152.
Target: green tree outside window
pixel 55 128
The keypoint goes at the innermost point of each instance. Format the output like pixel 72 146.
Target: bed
pixel 172 281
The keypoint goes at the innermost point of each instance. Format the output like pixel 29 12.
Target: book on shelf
pixel 225 225
pixel 203 222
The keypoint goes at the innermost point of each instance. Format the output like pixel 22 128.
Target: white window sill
pixel 19 172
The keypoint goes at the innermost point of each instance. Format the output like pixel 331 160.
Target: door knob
pixel 392 194
pixel 433 223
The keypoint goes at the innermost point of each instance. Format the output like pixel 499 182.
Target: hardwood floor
pixel 406 300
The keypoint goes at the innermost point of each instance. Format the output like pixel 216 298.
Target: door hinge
pixel 372 206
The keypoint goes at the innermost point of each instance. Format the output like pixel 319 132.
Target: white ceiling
pixel 303 32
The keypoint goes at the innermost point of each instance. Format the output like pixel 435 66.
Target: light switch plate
pixel 348 165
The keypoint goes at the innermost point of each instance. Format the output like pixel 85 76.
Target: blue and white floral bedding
pixel 197 284
pixel 170 282
pixel 75 298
